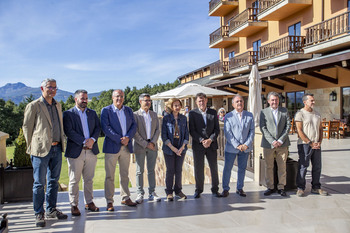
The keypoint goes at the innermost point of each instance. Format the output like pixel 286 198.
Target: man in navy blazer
pixel 82 128
pixel 119 126
pixel 239 132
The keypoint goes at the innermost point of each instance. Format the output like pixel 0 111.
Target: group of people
pixel 46 130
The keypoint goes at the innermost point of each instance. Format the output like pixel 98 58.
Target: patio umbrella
pixel 254 100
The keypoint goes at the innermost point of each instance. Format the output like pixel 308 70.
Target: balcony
pixel 220 39
pixel 276 10
pixel 219 69
pixel 222 7
pixel 246 23
pixel 243 62
pixel 331 34
pixel 289 48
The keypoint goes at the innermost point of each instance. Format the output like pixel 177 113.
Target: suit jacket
pixel 199 131
pixel 75 134
pixel 268 127
pixel 140 138
pixel 37 127
pixel 111 127
pixel 236 134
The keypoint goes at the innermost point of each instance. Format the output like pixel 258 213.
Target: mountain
pixel 17 92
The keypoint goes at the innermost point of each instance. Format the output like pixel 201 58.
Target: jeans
pixel 151 156
pixel 46 169
pixel 305 155
pixel 173 168
pixel 242 159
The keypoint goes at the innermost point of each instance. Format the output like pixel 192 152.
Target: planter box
pixel 16 184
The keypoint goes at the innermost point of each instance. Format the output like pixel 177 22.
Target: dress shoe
pixel 75 211
pixel 197 195
pixel 128 202
pixel 268 192
pixel 216 194
pixel 282 192
pixel 91 207
pixel 181 195
pixel 170 197
pixel 320 192
pixel 110 207
pixel 241 193
pixel 225 193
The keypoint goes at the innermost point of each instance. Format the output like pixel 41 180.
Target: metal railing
pixel 249 14
pixel 288 44
pixel 219 67
pixel 247 58
pixel 219 34
pixel 214 3
pixel 328 29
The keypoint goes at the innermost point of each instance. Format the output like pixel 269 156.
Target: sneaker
pixel 139 199
pixel 55 213
pixel 181 195
pixel 154 196
pixel 300 193
pixel 170 197
pixel 40 220
pixel 319 191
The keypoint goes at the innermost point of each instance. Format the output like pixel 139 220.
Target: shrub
pixel 20 157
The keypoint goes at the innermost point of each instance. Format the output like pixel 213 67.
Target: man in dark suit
pixel 204 129
pixel 119 126
pixel 82 128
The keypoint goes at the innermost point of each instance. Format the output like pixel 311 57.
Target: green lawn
pixel 100 173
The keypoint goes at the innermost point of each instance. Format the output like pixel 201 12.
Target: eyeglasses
pixel 52 88
pixel 147 101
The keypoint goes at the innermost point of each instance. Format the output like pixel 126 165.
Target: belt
pixel 148 140
pixel 55 143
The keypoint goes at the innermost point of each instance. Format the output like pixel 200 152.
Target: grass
pixel 100 173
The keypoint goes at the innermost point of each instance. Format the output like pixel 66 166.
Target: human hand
pixel 124 141
pixel 151 146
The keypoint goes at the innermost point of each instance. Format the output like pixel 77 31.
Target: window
pixel 231 54
pixel 256 48
pixel 255 6
pixel 294 43
pixel 295 29
pixel 294 102
pixel 346 102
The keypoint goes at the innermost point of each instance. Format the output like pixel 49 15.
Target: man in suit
pixel 43 131
pixel 119 126
pixel 145 146
pixel 275 125
pixel 239 132
pixel 82 128
pixel 204 129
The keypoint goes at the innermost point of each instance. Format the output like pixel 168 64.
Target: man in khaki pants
pixel 275 126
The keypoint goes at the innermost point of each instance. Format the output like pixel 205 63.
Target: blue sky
pixel 102 44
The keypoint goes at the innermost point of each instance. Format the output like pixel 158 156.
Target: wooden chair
pixel 330 128
pixel 293 128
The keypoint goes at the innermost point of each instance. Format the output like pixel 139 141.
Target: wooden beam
pixel 236 88
pixel 293 81
pixel 323 77
pixel 247 85
pixel 274 85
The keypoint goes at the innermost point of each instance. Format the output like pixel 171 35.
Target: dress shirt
pixel 275 117
pixel 148 122
pixel 56 126
pixel 240 116
pixel 84 123
pixel 204 115
pixel 122 119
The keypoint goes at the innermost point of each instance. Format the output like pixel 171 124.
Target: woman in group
pixel 175 138
pixel 222 114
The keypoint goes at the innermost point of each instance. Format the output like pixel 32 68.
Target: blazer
pixel 111 127
pixel 168 128
pixel 236 134
pixel 37 127
pixel 140 138
pixel 268 127
pixel 75 134
pixel 199 131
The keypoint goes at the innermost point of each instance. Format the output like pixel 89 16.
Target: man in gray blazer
pixel 275 125
pixel 145 146
pixel 239 132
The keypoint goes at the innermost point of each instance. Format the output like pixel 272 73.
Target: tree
pixel 20 156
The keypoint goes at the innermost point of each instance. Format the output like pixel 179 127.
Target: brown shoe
pixel 225 193
pixel 110 207
pixel 129 202
pixel 91 207
pixel 75 211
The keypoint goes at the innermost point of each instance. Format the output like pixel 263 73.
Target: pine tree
pixel 21 158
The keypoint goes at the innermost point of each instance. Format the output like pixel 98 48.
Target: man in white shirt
pixel 275 125
pixel 145 146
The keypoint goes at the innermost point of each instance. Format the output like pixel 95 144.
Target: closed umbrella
pixel 254 100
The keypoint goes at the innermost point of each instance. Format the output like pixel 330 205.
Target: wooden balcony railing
pixel 288 44
pixel 266 4
pixel 214 3
pixel 247 58
pixel 219 34
pixel 328 29
pixel 249 14
pixel 219 67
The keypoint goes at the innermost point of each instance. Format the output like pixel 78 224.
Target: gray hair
pixel 143 95
pixel 237 96
pixel 305 96
pixel 274 94
pixel 118 90
pixel 77 92
pixel 201 95
pixel 44 82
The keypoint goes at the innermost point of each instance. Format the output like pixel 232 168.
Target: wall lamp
pixel 333 96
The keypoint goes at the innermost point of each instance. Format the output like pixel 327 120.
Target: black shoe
pixel 55 213
pixel 241 193
pixel 268 192
pixel 225 193
pixel 282 192
pixel 40 220
pixel 216 194
pixel 197 195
